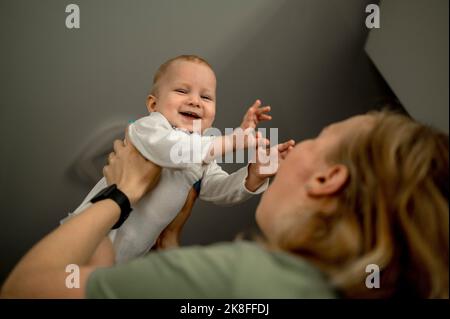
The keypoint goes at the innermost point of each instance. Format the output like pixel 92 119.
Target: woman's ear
pixel 328 182
pixel 151 103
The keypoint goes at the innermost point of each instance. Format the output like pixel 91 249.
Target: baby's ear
pixel 151 103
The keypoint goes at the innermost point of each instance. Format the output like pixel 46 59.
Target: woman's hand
pixel 130 171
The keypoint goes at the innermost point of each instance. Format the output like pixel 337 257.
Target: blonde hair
pixel 398 194
pixel 165 66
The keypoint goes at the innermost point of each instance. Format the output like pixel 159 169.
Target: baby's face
pixel 186 92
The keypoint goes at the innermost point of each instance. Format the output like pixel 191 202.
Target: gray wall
pixel 411 52
pixel 59 86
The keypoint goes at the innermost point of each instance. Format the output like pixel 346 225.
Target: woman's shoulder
pixel 238 269
pixel 265 273
pixel 253 271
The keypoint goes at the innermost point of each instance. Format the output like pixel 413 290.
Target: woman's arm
pixel 42 271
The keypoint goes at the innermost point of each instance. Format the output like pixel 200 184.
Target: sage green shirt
pixel 225 270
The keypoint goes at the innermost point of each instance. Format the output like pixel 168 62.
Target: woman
pixel 371 190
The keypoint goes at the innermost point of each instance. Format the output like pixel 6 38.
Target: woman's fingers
pixel 106 171
pixel 111 157
pixel 118 145
pixel 127 136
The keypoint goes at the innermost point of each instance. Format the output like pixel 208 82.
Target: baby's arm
pixel 226 189
pixel 244 136
pixel 157 141
pixel 238 140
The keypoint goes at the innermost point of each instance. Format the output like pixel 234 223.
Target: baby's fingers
pixel 255 106
pixel 261 113
pixel 286 146
pixel 264 117
pixel 262 110
pixel 286 152
pixel 261 142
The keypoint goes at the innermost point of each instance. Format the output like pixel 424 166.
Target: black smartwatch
pixel 112 192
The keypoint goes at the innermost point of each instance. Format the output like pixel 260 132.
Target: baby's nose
pixel 194 101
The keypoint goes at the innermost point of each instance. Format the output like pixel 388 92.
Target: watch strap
pixel 115 194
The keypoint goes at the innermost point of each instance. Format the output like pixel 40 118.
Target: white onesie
pixel 154 137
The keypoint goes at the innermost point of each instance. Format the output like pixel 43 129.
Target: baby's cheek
pixel 212 114
pixel 206 123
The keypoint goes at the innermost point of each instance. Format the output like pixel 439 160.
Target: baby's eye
pixel 206 97
pixel 183 91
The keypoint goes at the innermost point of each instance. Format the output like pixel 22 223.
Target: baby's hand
pixel 268 161
pixel 254 115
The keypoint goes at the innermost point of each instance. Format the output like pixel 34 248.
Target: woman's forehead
pixel 352 123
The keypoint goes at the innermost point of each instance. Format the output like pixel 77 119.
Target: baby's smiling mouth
pixel 191 115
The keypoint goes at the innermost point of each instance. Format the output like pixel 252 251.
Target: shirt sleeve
pixel 226 189
pixel 157 141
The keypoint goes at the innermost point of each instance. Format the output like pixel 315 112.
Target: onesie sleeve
pixel 165 146
pixel 226 189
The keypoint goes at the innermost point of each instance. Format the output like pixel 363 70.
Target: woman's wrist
pixel 137 189
pixel 133 195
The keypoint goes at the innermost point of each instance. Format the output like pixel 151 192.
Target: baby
pixel 183 96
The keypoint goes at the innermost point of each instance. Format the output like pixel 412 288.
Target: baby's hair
pixel 163 67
